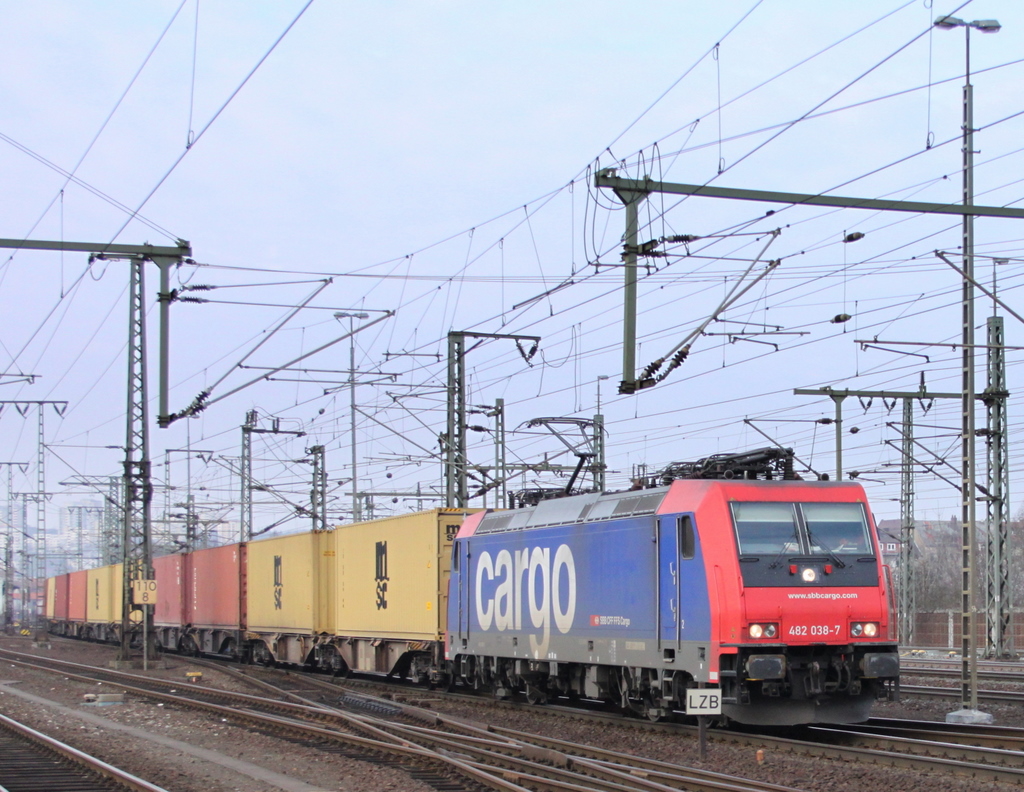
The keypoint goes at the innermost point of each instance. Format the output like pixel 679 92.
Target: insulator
pixel 853 236
pixel 840 318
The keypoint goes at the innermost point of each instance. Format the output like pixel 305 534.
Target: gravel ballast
pixel 189 751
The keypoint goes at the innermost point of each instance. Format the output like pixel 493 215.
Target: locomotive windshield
pixel 836 527
pixel 772 536
pixel 766 528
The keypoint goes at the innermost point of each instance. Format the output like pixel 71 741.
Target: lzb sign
pixel 144 592
pixel 703 701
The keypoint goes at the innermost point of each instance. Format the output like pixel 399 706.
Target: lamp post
pixel 599 378
pixel 357 512
pixel 969 676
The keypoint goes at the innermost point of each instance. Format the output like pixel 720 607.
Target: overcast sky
pixel 435 159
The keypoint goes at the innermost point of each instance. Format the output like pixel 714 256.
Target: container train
pixel 770 592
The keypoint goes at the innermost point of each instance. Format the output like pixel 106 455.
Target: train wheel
pixel 535 696
pixel 654 712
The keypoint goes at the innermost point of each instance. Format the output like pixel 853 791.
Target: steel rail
pixel 989 736
pixel 993 674
pixel 876 740
pixel 79 758
pixel 387 736
pixel 1003 739
pixel 305 729
pixel 925 691
pixel 488 753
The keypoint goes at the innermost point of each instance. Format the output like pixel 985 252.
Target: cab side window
pixel 687 541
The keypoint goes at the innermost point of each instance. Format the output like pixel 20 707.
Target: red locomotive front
pixel 803 619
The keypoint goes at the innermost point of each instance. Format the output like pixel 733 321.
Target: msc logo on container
pixel 278 585
pixel 381 575
pixel 503 607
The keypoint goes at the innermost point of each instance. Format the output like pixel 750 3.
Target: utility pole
pixel 968 712
pixel 37 571
pixel 908 587
pixel 138 484
pixel 453 443
pixel 998 599
pixel 138 489
pixel 357 512
pixel 500 458
pixel 318 492
pixel 631 200
pixel 249 428
pixel 9 543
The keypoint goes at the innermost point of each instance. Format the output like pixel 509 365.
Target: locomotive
pixel 771 591
pixel 729 575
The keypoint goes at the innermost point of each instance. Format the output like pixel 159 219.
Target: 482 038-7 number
pixel 814 630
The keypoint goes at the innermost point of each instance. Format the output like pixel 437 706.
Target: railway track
pixel 428 743
pixel 984 752
pixel 1001 674
pixel 991 753
pixel 33 761
pixel 996 696
pixel 315 711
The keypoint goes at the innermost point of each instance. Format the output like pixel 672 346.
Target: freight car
pixel 371 596
pixel 771 592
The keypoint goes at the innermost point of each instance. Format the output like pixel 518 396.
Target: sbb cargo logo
pixel 502 608
pixel 610 621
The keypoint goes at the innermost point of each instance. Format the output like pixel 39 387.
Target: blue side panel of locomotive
pixel 620 584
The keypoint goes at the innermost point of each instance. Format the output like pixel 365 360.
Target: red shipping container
pixel 214 580
pixel 170 600
pixel 78 587
pixel 60 599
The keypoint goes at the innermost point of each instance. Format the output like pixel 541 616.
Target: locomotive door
pixel 464 576
pixel 668 582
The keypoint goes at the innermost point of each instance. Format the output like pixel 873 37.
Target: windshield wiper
pixel 828 550
pixel 784 551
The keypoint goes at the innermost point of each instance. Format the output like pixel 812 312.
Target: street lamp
pixel 356 511
pixel 599 378
pixel 969 676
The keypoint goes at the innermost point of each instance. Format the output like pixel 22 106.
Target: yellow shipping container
pixel 327 589
pixel 51 596
pixel 104 590
pixel 280 584
pixel 391 575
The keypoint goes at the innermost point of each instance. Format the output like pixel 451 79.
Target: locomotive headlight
pixel 809 575
pixel 864 629
pixel 763 630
